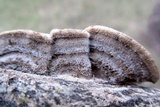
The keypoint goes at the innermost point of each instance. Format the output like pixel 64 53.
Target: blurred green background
pixel 128 16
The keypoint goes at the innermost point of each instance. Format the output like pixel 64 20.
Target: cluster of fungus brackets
pixel 97 51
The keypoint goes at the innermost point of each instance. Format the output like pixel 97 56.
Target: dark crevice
pixel 10 52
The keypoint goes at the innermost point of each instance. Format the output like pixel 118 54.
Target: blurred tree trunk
pixel 153 33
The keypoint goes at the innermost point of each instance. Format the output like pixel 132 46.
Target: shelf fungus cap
pixel 69 33
pixel 39 37
pixel 132 44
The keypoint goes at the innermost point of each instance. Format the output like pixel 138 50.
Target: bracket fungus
pixel 97 51
pixel 25 50
pixel 70 48
pixel 118 58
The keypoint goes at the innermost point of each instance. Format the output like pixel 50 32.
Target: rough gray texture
pixel 31 90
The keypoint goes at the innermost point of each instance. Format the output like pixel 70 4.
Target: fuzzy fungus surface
pixel 73 67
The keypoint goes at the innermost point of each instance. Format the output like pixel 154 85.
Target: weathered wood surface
pixel 31 90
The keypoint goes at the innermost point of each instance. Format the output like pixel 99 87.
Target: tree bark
pixel 31 90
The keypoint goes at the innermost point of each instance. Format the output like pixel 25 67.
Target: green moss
pixel 23 100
